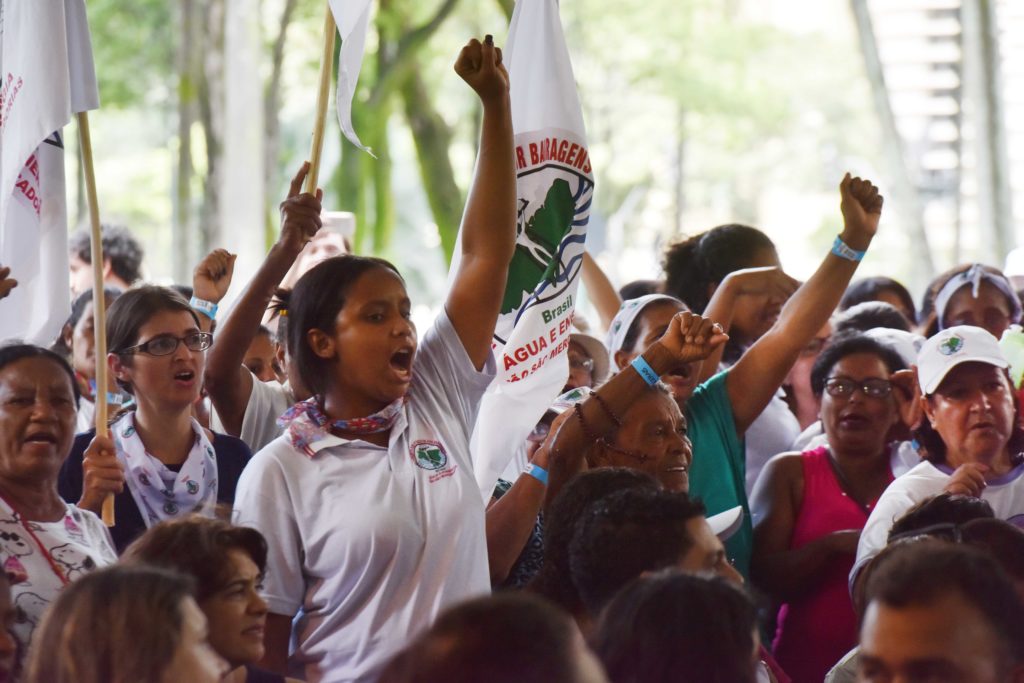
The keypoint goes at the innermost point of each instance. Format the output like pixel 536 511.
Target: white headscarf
pixel 628 312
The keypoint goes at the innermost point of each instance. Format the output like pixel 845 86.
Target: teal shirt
pixel 718 471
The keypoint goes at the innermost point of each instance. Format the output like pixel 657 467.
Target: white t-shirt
pixel 267 402
pixel 1005 495
pixel 77 544
pixel 85 419
pixel 773 432
pixel 368 545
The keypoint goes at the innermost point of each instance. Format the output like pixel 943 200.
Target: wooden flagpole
pixel 326 70
pixel 99 311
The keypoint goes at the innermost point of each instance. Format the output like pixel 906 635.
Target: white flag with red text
pixel 555 186
pixel 46 75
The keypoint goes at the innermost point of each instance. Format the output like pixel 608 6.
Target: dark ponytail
pixel 706 259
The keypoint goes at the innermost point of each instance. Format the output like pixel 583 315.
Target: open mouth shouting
pixel 681 379
pixel 185 378
pixel 401 363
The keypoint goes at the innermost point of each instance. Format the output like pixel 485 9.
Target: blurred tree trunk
pixel 241 219
pixel 357 180
pixel 272 123
pixel 507 6
pixel 211 117
pixel 433 138
pixel 187 64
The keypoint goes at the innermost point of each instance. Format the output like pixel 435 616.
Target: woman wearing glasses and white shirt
pixel 158 462
pixel 972 441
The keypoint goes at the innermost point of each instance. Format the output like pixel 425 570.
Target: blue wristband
pixel 537 472
pixel 646 371
pixel 844 250
pixel 207 308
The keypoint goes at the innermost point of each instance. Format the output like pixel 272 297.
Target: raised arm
pixel 211 280
pixel 736 285
pixel 511 518
pixel 759 373
pixel 601 291
pixel 783 572
pixel 489 222
pixel 228 382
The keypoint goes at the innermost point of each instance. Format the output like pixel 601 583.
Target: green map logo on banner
pixel 555 191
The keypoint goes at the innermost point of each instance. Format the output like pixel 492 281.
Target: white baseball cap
pixel 727 523
pixel 951 347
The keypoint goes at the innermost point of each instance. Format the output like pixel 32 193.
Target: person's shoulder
pixel 84 517
pixel 82 441
pixel 922 471
pixel 789 461
pixel 231 447
pixel 77 453
pixel 95 530
pixel 923 480
pixel 278 457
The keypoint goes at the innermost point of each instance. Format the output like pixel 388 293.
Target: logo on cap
pixel 951 345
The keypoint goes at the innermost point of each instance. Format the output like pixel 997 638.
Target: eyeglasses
pixel 840 387
pixel 577 363
pixel 166 344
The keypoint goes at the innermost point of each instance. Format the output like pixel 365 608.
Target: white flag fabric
pixel 555 185
pixel 353 19
pixel 46 75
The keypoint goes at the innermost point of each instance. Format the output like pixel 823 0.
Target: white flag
pixel 555 186
pixel 353 19
pixel 46 75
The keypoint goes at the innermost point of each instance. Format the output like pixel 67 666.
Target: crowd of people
pixel 752 479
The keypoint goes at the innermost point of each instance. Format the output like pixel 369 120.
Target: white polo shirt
pixel 368 545
pixel 1005 495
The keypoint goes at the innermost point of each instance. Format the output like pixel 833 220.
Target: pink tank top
pixel 817 629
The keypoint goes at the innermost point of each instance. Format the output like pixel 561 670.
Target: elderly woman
pixel 815 503
pixel 159 462
pixel 969 431
pixel 45 543
pixel 632 420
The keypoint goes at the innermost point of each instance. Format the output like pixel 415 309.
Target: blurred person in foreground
pixel 941 613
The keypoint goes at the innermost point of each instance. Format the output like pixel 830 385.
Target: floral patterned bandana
pixel 160 492
pixel 307 424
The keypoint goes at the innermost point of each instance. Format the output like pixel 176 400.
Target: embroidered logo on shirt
pixel 429 455
pixel 951 345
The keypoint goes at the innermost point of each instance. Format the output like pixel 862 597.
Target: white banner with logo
pixel 46 75
pixel 555 186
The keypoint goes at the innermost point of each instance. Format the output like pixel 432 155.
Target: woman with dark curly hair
pixel 813 505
